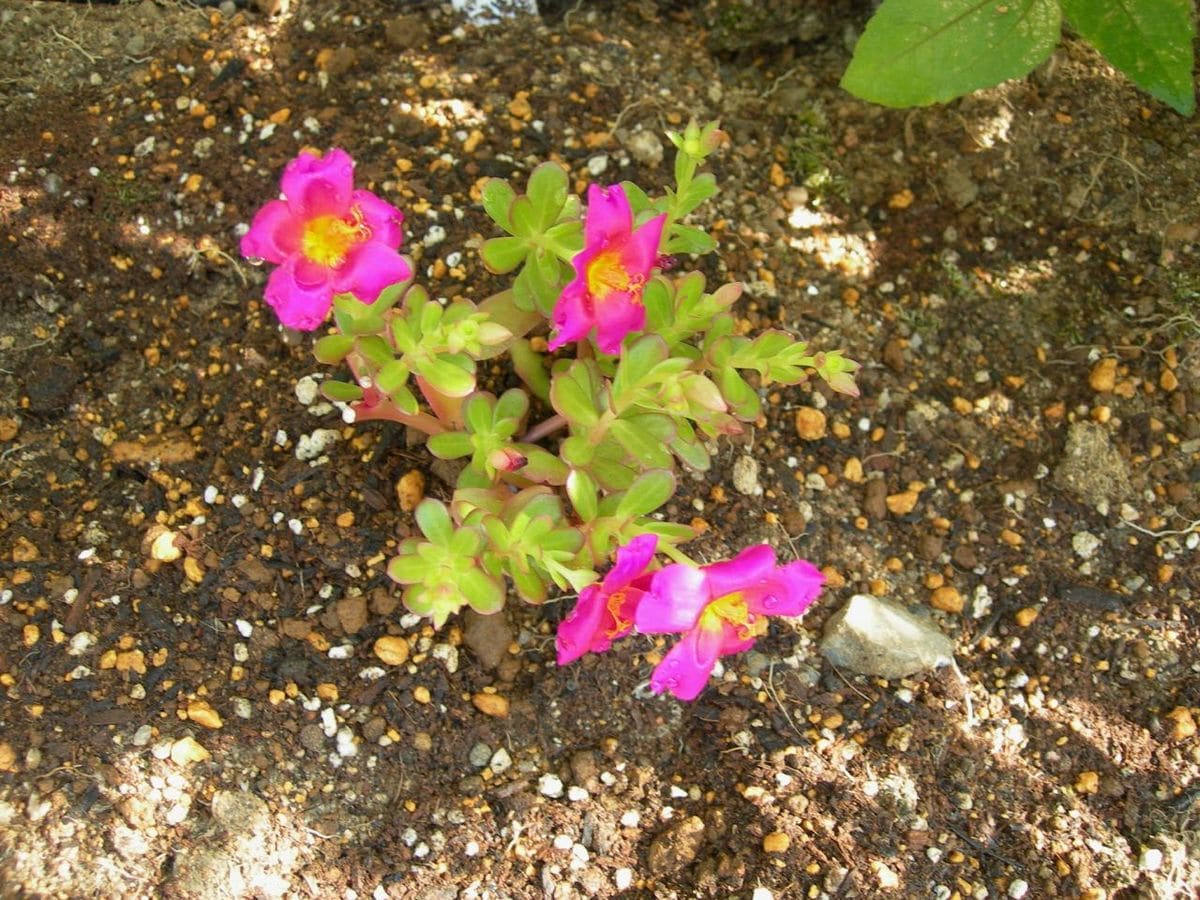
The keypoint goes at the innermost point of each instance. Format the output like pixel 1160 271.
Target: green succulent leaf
pixel 333 348
pixel 742 399
pixel 649 491
pixel 409 569
pixel 643 440
pixel 450 445
pixel 434 521
pixel 498 196
pixel 543 466
pixel 452 375
pixel 392 377
pixel 483 593
pixel 571 396
pixel 341 392
pixel 503 254
pixel 582 491
pixel 547 191
pixel 577 450
pixel 690 239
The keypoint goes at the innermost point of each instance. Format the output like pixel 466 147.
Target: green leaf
pixel 541 465
pixel 582 491
pixel 408 569
pixel 1149 40
pixel 333 348
pixel 611 474
pixel 577 450
pixel 450 445
pixel 375 349
pixel 341 392
pixel 642 446
pixel 638 360
pixel 392 377
pixel 484 594
pixel 528 584
pixel 917 52
pixel 498 196
pixel 524 218
pixel 477 412
pixel 547 191
pixel 660 304
pixel 513 404
pixel 503 254
pixel 638 201
pixel 690 239
pixel 703 187
pixel 434 521
pixel 502 310
pixel 742 399
pixel 453 376
pixel 648 492
pixel 571 397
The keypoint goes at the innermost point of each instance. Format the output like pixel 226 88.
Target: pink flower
pixel 720 609
pixel 605 611
pixel 609 273
pixel 327 238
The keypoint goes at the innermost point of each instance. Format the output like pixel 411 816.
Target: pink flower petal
pixel 581 631
pixel 632 560
pixel 608 215
pixel 300 299
pixel 572 315
pixel 641 251
pixel 274 234
pixel 678 594
pixel 618 315
pixel 319 185
pixel 685 670
pixel 749 567
pixel 383 219
pixel 368 269
pixel 790 591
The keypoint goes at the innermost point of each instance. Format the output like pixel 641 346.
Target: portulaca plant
pixel 629 369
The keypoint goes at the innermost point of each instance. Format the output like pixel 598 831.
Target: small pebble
pixel 550 785
pixel 392 650
pixel 480 755
pixel 501 761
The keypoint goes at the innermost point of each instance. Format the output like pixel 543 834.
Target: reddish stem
pixel 543 429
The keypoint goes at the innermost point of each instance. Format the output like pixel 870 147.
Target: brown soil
pixel 1008 268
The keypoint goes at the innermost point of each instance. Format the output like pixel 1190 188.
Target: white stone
pixel 310 446
pixel 1150 859
pixel 875 636
pixel 1085 544
pixel 307 390
pixel 597 165
pixel 550 785
pixel 623 878
pixel 745 476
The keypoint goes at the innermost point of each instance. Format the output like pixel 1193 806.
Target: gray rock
pixel 874 636
pixel 1091 467
pixel 960 189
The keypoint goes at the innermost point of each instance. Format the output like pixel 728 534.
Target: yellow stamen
pixel 606 274
pixel 615 600
pixel 327 239
pixel 732 609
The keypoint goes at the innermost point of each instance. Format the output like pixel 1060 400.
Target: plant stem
pixel 387 412
pixel 543 429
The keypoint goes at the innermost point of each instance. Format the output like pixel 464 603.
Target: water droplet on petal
pixel 255 260
pixel 770 601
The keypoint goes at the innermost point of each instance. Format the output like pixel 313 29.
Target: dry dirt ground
pixel 1017 271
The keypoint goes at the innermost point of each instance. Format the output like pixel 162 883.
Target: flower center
pixel 732 609
pixel 620 624
pixel 606 275
pixel 327 239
